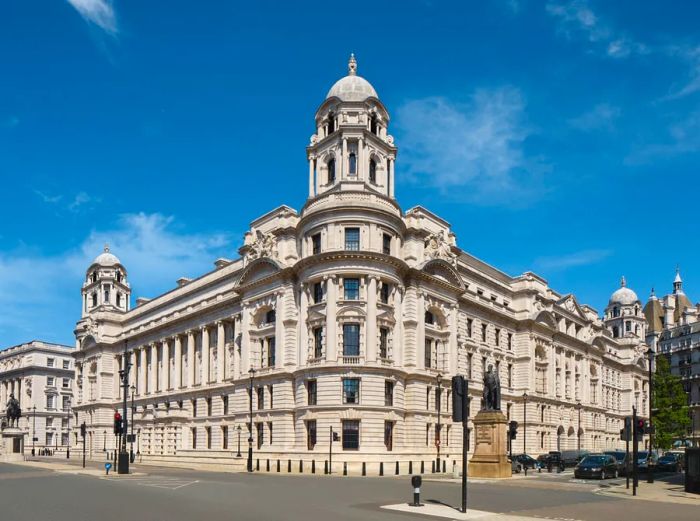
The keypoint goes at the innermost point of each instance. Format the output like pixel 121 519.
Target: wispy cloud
pixel 81 201
pixel 602 116
pixel 47 198
pixel 98 12
pixel 38 293
pixel 571 260
pixel 691 83
pixel 472 150
pixel 683 137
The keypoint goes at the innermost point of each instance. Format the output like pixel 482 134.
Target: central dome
pixel 106 258
pixel 624 295
pixel 352 87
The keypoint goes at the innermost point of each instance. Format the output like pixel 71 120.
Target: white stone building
pixel 348 310
pixel 40 375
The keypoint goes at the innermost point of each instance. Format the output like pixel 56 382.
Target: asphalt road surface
pixel 168 494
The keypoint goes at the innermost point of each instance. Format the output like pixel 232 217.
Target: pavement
pixel 61 490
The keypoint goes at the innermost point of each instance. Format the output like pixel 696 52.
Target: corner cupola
pixel 106 287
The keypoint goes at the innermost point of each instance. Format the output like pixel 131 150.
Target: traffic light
pixel 513 429
pixel 460 398
pixel 117 423
pixel 83 430
pixel 640 427
pixel 336 436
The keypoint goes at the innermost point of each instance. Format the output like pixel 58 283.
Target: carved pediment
pixel 569 303
pixel 443 270
pixel 257 270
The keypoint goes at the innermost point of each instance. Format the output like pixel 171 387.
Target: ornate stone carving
pixel 437 246
pixel 264 245
pixel 28 386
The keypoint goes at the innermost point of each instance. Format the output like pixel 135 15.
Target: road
pixel 168 494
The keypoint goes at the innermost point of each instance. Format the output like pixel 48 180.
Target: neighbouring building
pixel 40 375
pixel 345 315
pixel 674 332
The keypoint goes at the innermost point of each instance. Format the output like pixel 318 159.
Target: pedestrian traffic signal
pixel 640 427
pixel 513 429
pixel 117 423
pixel 336 436
pixel 83 430
pixel 460 398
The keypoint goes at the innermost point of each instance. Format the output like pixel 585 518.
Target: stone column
pixel 420 336
pixel 331 337
pixel 360 159
pixel 371 325
pixel 220 358
pixel 190 359
pixel 246 360
pixel 177 377
pixel 165 373
pixel 236 352
pixel 311 176
pixel 391 177
pixel 279 328
pixel 205 355
pixel 303 350
pixel 142 370
pixel 398 336
pixel 344 162
pixel 153 373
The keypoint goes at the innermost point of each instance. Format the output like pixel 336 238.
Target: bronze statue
pixel 14 413
pixel 492 391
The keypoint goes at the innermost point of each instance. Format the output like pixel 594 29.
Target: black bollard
pixel 410 467
pixel 432 467
pixel 267 465
pixel 301 466
pixel 416 483
pixel 397 468
pixel 422 467
pixel 289 465
pixel 257 464
pixel 325 466
pixel 345 468
pixel 313 466
pixel 364 468
pixel 381 468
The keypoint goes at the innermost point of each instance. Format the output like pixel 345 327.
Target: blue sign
pixel 108 466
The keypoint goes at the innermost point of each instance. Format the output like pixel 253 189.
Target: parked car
pixel 552 458
pixel 643 460
pixel 680 456
pixel 668 463
pixel 526 461
pixel 621 460
pixel 601 466
pixel 515 466
pixel 571 458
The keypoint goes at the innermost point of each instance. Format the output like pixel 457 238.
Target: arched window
pixel 119 276
pixel 331 123
pixel 270 317
pixel 372 171
pixel 373 127
pixel 331 171
pixel 429 318
pixel 353 163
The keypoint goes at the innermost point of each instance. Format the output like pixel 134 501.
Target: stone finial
pixel 106 248
pixel 352 65
pixel 623 282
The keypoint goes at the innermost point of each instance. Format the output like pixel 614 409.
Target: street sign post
pixel 460 413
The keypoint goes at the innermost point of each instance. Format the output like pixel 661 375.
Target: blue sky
pixel 558 137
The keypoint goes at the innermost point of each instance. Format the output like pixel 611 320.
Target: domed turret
pixel 624 295
pixel 623 315
pixel 105 286
pixel 352 87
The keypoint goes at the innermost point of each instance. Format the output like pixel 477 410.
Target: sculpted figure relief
pixel 264 245
pixel 438 247
pixel 492 391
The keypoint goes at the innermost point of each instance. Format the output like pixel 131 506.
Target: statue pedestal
pixel 490 458
pixel 12 445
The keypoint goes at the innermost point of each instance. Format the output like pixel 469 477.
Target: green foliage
pixel 670 405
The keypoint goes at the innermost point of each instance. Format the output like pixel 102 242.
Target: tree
pixel 670 405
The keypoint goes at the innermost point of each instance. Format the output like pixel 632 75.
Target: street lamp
pixel 578 406
pixel 251 372
pixel 104 438
pixel 238 454
pixel 650 462
pixel 133 415
pixel 525 424
pixel 34 429
pixel 438 399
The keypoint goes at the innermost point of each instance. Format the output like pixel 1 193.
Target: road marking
pixel 155 482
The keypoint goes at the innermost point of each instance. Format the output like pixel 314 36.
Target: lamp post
pixel 238 454
pixel 133 415
pixel 34 429
pixel 650 462
pixel 578 406
pixel 438 399
pixel 251 372
pixel 104 438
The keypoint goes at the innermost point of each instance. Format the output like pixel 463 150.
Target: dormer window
pixel 352 160
pixel 331 171
pixel 372 171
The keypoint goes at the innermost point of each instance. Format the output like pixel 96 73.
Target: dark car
pixel 601 466
pixel 620 458
pixel 572 457
pixel 526 461
pixel 668 463
pixel 551 460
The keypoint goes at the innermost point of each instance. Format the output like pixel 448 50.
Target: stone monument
pixel 12 436
pixel 490 458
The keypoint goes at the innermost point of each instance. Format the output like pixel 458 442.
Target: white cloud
pixel 691 83
pixel 470 150
pixel 40 294
pixel 602 116
pixel 50 199
pixel 571 260
pixel 98 12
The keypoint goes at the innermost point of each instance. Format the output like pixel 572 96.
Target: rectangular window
pixel 384 293
pixel 497 334
pixel 388 393
pixel 427 398
pixel 271 348
pixel 351 289
pixel 351 390
pixel 49 422
pixel 193 433
pixel 50 362
pixel 66 383
pixel 318 293
pixel 318 342
pixel 270 388
pixel 50 381
pixel 351 434
pixel 386 244
pixel 64 438
pixel 510 375
pixel 49 438
pixel 316 243
pixel 207 431
pixel 383 342
pixel 311 392
pixel 224 402
pixel 484 330
pixel 428 353
pixel 427 434
pixel 66 364
pixel 389 435
pixel 260 428
pixel 66 403
pixel 438 395
pixel 352 239
pixel 510 341
pixel 261 397
pixel 470 357
pixel 194 407
pixel 351 339
pixel 64 423
pixel 269 430
pixel 470 324
pixel 224 437
pixel 50 401
pixel 310 434
pixel 209 407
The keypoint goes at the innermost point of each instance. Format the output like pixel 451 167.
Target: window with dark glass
pixel 351 289
pixel 388 393
pixel 427 398
pixel 94 299
pixel 373 125
pixel 389 434
pixel 271 348
pixel 351 339
pixel 224 401
pixel 510 341
pixel 260 428
pixel 352 163
pixel 352 238
pixel 484 329
pixel 207 431
pixel 208 406
pixel 261 397
pixel 269 430
pixel 311 392
pixel 497 335
pixel 429 318
pixel 510 375
pixel 316 243
pixel 372 171
pixel 470 323
pixel 331 122
pixel 193 434
pixel 270 389
pixel 194 408
pixel 331 171
pixel 318 292
pixel 318 342
pixel 383 342
pixel 270 316
pixel 428 353
pixel 470 356
pixel 386 243
pixel 351 390
pixel 224 437
pixel 351 434
pixel 384 292
pixel 310 434
pixel 438 396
